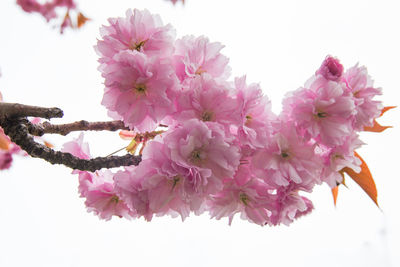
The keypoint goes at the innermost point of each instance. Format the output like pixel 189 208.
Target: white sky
pixel 280 44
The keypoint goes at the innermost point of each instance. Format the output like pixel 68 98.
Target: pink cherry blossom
pixel 331 69
pixel 7 150
pixel 159 186
pixel 255 127
pixel 338 157
pixel 287 158
pixel 242 195
pixel 204 149
pixel 5 160
pixel 322 111
pixel 208 101
pixel 360 85
pixel 289 205
pixel 97 188
pixel 140 31
pixel 140 89
pixel 194 56
pixel 48 8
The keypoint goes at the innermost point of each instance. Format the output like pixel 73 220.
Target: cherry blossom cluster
pixel 7 150
pixel 48 10
pixel 224 151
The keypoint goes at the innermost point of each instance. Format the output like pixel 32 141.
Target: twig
pixel 64 129
pixel 13 110
pixel 17 130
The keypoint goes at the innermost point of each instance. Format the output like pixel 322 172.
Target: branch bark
pixel 15 124
pixel 15 110
pixel 64 129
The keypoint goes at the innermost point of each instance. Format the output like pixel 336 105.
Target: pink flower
pixel 360 86
pixel 204 149
pixel 287 158
pixel 194 56
pixel 208 101
pixel 5 160
pixel 322 112
pixel 98 187
pixel 339 157
pixel 289 205
pixel 331 69
pixel 141 90
pixel 46 9
pixel 139 31
pixel 244 194
pixel 255 127
pixel 7 150
pixel 78 148
pixel 159 186
pixel 128 186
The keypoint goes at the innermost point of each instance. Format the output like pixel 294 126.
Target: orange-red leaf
pixel 335 192
pixel 377 128
pixel 386 109
pixel 364 179
pixel 81 20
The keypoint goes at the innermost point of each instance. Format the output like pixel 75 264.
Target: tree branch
pixel 13 110
pixel 64 129
pixel 17 130
pixel 15 124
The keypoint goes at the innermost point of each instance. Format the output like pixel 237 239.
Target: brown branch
pixel 17 130
pixel 15 124
pixel 13 110
pixel 64 129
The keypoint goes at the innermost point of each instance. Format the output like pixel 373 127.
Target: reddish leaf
pixel 335 192
pixel 377 128
pixel 81 20
pixel 386 109
pixel 364 179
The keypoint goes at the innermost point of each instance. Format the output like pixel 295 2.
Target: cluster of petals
pixel 49 10
pixel 224 151
pixel 97 188
pixel 7 150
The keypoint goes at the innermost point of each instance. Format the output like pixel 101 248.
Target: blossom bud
pixel 331 69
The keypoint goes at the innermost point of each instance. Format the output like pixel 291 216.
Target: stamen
pixel 140 89
pixel 207 116
pixel 284 154
pixel 137 46
pixel 244 198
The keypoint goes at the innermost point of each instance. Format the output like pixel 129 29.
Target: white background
pixel 279 44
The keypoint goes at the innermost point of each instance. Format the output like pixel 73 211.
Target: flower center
pixel 114 199
pixel 207 116
pixel 321 114
pixel 249 118
pixel 140 89
pixel 195 156
pixel 137 46
pixel 284 154
pixel 199 71
pixel 244 198
pixel 175 181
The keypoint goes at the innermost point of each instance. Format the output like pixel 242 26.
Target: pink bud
pixel 331 69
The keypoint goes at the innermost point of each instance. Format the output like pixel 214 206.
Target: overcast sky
pixel 279 44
